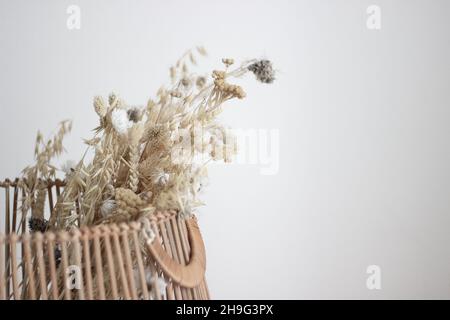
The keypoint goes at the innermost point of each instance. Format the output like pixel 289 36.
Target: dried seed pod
pixel 100 106
pixel 200 82
pixel 128 202
pixel 113 99
pixel 218 74
pixel 227 62
pixel 186 82
pixel 202 50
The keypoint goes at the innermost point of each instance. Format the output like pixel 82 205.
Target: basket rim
pixel 89 232
pixel 78 232
pixel 15 182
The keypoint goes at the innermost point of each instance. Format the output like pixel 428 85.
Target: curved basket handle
pixel 192 274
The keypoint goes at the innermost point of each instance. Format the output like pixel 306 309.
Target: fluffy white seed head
pixel 120 121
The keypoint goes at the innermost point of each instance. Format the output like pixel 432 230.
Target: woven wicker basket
pixel 100 262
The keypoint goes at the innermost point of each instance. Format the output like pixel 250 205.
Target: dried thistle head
pixel 153 133
pixel 134 114
pixel 157 139
pixel 37 224
pixel 263 71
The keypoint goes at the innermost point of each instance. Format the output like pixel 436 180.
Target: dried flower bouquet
pixel 146 158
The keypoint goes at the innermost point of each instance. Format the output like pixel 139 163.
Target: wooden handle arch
pixel 191 274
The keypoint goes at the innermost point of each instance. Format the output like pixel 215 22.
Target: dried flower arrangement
pixel 146 158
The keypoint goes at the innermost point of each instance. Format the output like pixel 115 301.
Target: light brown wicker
pixel 99 262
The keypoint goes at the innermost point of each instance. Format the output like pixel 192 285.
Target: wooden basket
pixel 161 257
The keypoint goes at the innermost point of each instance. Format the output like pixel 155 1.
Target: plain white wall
pixel 362 116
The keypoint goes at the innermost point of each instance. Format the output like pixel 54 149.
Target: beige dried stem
pixel 42 170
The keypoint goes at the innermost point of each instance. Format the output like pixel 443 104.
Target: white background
pixel 363 119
